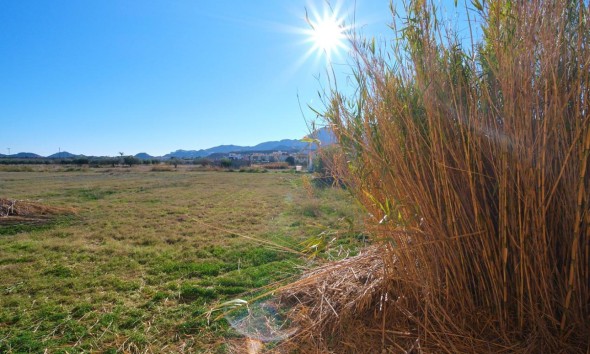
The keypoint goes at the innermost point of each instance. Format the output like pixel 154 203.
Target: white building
pixel 234 156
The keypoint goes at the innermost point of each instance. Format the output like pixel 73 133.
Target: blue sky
pixel 109 76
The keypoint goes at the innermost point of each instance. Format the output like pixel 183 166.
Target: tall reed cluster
pixel 473 161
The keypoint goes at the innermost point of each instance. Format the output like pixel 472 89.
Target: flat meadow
pixel 144 253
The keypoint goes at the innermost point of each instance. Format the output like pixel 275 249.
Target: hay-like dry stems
pixel 476 163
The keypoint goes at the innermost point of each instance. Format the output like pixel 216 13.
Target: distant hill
pixel 191 154
pixel 285 144
pixel 216 156
pixel 144 156
pixel 62 155
pixel 25 155
pixel 325 136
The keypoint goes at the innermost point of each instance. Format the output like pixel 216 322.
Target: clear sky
pixel 99 77
pixel 107 76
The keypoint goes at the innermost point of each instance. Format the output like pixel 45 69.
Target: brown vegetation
pixel 474 167
pixel 19 211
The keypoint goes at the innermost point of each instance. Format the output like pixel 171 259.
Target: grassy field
pixel 147 253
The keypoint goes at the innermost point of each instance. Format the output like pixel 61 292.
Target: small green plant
pixel 91 193
pixel 194 292
pixel 59 271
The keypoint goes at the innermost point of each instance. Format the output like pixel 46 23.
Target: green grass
pixel 40 225
pixel 148 253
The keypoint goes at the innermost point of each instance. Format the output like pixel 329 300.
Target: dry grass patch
pixel 27 209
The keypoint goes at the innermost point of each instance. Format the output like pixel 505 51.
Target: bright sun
pixel 327 33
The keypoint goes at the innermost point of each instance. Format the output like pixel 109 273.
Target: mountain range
pixel 324 136
pixel 284 145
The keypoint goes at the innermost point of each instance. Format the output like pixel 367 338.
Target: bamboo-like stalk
pixel 582 195
pixel 484 152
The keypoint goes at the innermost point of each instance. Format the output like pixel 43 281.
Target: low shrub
pixel 161 168
pixel 277 166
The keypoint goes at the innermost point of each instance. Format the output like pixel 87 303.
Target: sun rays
pixel 327 32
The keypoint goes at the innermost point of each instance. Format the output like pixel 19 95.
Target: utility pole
pixel 8 151
pixel 309 159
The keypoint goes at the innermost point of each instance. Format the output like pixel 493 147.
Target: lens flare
pixel 262 321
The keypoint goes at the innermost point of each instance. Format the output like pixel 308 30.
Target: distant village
pixel 299 158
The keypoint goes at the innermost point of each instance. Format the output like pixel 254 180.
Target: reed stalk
pixel 481 151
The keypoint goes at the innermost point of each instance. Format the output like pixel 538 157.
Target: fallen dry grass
pixel 23 211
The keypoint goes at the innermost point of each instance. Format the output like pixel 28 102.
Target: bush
pixel 81 161
pixel 474 165
pixel 203 161
pixel 174 161
pixel 276 166
pixel 225 163
pixel 131 160
pixel 161 168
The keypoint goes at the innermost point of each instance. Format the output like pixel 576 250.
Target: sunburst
pixel 327 33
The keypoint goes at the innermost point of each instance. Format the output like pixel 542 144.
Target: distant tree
pixel 131 160
pixel 174 161
pixel 121 158
pixel 202 161
pixel 225 163
pixel 81 161
pixel 290 160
